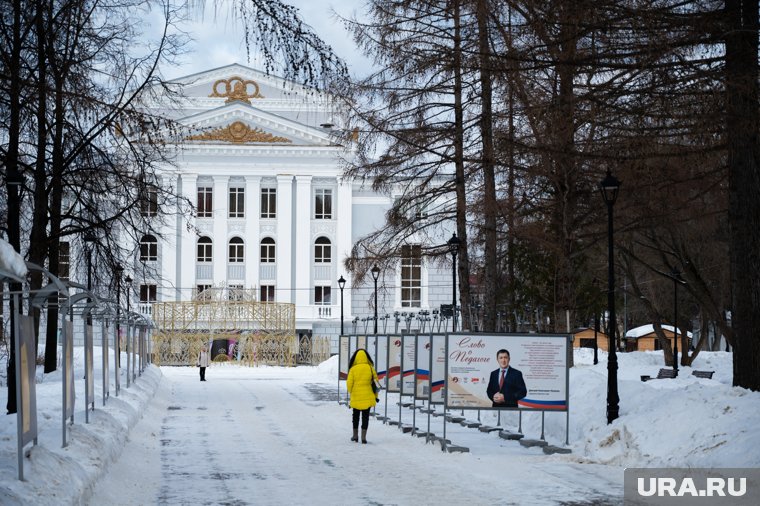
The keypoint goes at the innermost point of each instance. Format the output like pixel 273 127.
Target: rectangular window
pixel 199 289
pixel 64 260
pixel 235 292
pixel 268 253
pixel 322 295
pixel 322 204
pixel 147 294
pixel 269 203
pixel 267 293
pixel 204 252
pixel 237 252
pixel 411 276
pixel 205 209
pixel 237 202
pixel 149 202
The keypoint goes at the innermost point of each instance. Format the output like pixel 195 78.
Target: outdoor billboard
pixel 536 377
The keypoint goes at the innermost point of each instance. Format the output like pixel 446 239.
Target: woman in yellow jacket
pixel 361 375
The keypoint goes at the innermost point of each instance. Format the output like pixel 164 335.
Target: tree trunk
pixel 490 203
pixel 744 186
pixel 463 269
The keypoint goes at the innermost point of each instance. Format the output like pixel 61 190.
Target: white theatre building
pixel 274 213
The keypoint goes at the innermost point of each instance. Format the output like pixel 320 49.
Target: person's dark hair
pixel 502 351
pixel 353 357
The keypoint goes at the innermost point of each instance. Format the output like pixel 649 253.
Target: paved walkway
pixel 275 440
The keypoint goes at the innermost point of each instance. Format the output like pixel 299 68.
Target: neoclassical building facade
pixel 274 214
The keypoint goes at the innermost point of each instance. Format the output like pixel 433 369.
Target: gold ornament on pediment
pixel 236 88
pixel 239 133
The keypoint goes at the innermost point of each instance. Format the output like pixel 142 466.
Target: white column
pixel 221 198
pixel 344 225
pixel 303 244
pixel 284 239
pixel 187 257
pixel 252 235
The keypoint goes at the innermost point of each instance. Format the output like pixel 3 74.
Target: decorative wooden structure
pixel 235 327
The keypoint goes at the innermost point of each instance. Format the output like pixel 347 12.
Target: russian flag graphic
pixel 530 403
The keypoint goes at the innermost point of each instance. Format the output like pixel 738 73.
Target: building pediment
pixel 239 123
pixel 239 82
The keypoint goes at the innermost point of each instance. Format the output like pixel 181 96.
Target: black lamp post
pixel 610 187
pixel 454 249
pixel 675 274
pixel 89 240
pixel 375 275
pixel 128 281
pixel 341 285
pixel 119 270
pixel 596 324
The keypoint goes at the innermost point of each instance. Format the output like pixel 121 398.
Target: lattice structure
pixel 250 332
pixel 238 327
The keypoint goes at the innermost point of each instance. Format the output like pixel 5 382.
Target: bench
pixel 662 374
pixel 703 374
pixel 666 374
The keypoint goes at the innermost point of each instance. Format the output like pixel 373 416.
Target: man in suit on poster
pixel 506 385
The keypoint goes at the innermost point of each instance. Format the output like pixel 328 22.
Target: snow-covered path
pixel 278 436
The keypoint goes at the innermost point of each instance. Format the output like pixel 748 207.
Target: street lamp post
pixel 454 249
pixel 676 275
pixel 596 324
pixel 128 281
pixel 375 275
pixel 610 187
pixel 341 285
pixel 89 240
pixel 119 270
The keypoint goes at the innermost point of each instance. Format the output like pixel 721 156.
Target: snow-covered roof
pixel 11 261
pixel 648 329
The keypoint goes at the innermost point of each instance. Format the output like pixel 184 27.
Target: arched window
pixel 267 251
pixel 322 251
pixel 148 248
pixel 204 249
pixel 237 250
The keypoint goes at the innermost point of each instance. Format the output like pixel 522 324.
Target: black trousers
pixel 203 374
pixel 365 418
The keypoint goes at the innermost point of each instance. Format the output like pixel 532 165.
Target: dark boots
pixel 355 437
pixel 364 436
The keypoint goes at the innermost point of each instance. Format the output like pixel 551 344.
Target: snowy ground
pixel 275 435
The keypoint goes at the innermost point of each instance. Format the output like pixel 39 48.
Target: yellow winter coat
pixel 359 383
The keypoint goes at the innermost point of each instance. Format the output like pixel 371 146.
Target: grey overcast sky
pixel 218 38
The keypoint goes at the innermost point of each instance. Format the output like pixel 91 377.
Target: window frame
pixel 206 256
pixel 268 209
pixel 322 295
pixel 266 293
pixel 148 248
pixel 149 202
pixel 268 250
pixel 236 200
pixel 411 285
pixel 236 250
pixel 323 198
pixel 148 293
pixel 322 251
pixel 205 202
pixel 64 259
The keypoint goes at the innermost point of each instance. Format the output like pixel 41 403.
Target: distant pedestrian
pixel 361 376
pixel 203 362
